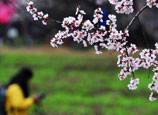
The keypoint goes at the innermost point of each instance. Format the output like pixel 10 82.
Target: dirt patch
pixel 90 67
pixel 52 51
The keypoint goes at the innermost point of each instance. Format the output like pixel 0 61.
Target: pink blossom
pixel 133 83
pixel 35 14
pixel 88 33
pixel 151 97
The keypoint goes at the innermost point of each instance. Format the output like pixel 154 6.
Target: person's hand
pixel 36 99
pixel 39 97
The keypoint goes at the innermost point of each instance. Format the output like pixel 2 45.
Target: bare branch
pixel 136 16
pixel 145 38
pixel 59 22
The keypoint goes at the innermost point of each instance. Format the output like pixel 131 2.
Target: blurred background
pixel 75 79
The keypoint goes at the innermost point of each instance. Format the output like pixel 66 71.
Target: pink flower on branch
pixel 36 15
pixel 89 32
pixel 123 6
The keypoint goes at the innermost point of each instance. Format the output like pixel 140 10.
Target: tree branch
pixel 145 38
pixel 136 16
pixel 52 20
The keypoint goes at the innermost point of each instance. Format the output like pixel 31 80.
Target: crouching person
pixel 18 99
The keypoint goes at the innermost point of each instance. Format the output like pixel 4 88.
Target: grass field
pixel 78 83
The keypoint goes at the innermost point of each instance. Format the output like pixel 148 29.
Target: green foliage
pixel 80 84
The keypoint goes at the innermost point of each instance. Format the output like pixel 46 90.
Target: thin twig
pixel 55 21
pixel 52 20
pixel 146 43
pixel 149 67
pixel 134 18
pixel 145 38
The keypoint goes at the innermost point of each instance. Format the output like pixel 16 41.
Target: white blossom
pixel 88 25
pixel 151 97
pixel 133 83
pixel 88 32
pixel 35 14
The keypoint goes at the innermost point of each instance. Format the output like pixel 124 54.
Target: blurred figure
pixel 6 12
pixel 12 34
pixel 105 18
pixel 17 93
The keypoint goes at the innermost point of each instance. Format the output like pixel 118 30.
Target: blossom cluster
pixel 123 6
pixel 98 16
pixel 85 32
pixel 90 32
pixel 81 30
pixel 128 63
pixel 152 3
pixel 35 14
pixel 154 85
pixel 133 83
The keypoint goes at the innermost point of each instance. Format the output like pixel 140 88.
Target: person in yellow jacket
pixel 17 95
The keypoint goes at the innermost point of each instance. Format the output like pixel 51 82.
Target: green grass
pixel 80 84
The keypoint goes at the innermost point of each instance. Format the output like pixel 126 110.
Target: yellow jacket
pixel 16 103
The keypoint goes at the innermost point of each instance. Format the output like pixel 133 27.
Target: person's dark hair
pixel 21 78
